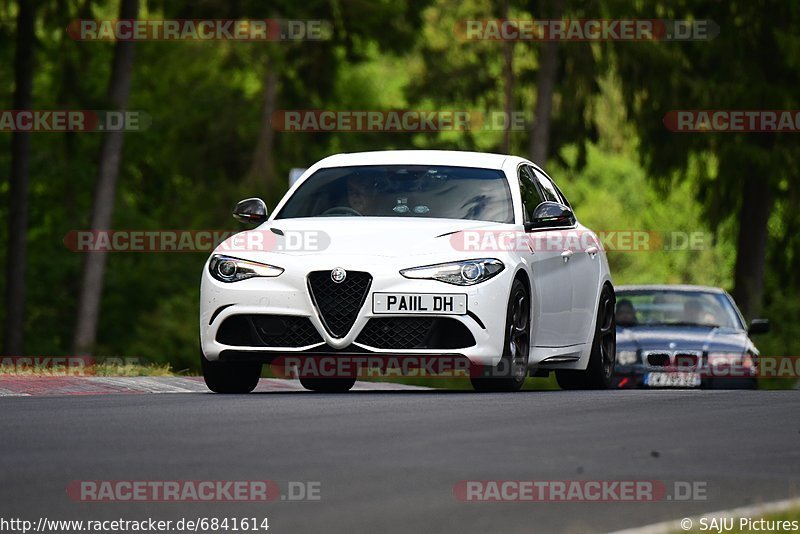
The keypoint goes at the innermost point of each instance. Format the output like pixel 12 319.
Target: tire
pixel 230 377
pixel 509 374
pixel 328 385
pixel 599 372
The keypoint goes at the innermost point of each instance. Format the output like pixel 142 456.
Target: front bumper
pixel 288 295
pixel 703 376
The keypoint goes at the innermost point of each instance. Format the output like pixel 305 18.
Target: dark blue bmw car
pixel 683 336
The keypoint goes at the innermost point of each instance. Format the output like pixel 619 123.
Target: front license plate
pixel 672 380
pixel 412 303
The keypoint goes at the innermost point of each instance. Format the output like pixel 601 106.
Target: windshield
pixel 685 308
pixel 403 191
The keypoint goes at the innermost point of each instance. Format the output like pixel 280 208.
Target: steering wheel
pixel 341 210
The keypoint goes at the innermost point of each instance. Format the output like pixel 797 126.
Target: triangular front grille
pixel 338 304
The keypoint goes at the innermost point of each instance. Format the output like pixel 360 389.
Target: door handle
pixel 567 254
pixel 592 251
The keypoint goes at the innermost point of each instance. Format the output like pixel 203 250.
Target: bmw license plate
pixel 419 303
pixel 675 379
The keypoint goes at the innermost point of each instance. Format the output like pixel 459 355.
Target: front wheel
pixel 510 373
pixel 600 370
pixel 230 377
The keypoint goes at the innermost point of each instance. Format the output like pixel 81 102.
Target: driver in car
pixel 361 194
pixel 367 195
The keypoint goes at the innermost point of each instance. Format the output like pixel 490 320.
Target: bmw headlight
pixel 227 269
pixel 460 273
pixel 626 357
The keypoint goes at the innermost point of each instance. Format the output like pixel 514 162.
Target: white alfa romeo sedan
pixel 411 254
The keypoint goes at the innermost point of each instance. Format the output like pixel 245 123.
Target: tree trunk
pixel 262 169
pixel 508 76
pixel 105 190
pixel 16 260
pixel 545 87
pixel 751 244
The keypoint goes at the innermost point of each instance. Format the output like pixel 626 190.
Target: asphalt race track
pixel 388 461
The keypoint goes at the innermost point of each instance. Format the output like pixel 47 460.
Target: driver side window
pixel 529 192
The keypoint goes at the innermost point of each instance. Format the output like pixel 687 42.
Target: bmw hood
pixel 353 236
pixel 681 338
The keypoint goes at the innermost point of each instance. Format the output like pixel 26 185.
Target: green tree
pixel 752 64
pixel 17 254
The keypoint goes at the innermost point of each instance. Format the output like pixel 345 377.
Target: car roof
pixel 670 287
pixel 453 158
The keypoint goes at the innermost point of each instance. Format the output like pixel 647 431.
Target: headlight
pixel 227 269
pixel 626 357
pixel 460 273
pixel 729 358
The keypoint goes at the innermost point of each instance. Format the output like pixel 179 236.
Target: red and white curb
pixel 36 386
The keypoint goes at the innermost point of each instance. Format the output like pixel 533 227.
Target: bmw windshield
pixel 403 191
pixel 675 308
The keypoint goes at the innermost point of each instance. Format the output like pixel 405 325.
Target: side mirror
pixel 250 210
pixel 758 326
pixel 550 215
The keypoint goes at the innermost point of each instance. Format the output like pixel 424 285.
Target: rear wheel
pixel 230 377
pixel 510 373
pixel 600 370
pixel 328 385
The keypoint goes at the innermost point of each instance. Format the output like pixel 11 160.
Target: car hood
pixel 352 236
pixel 681 338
